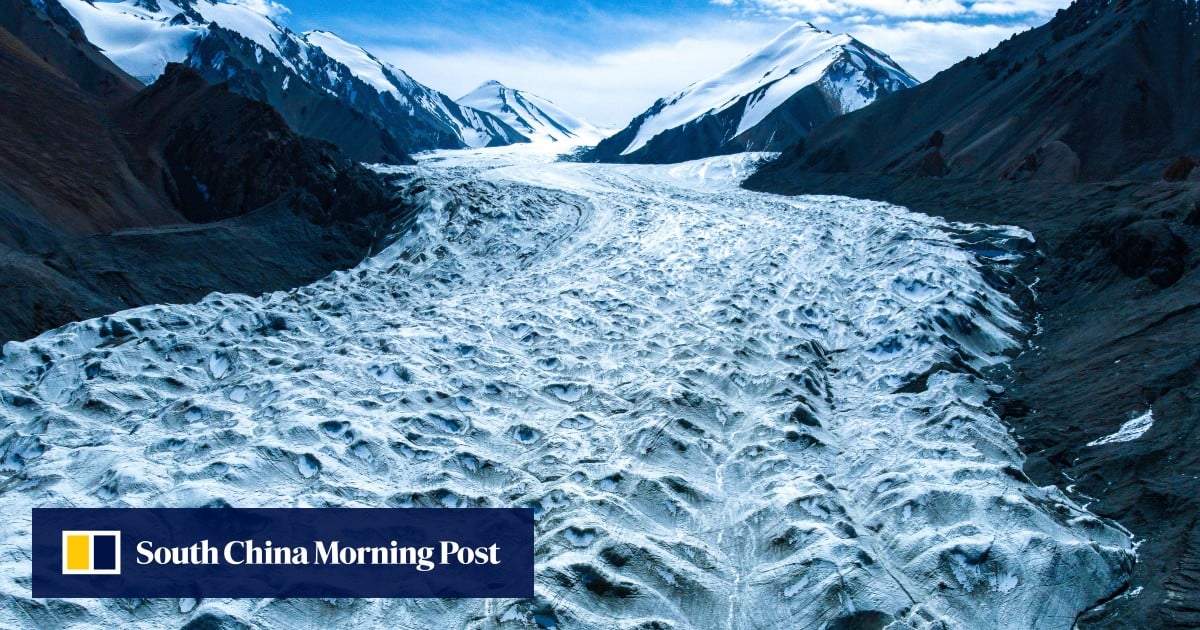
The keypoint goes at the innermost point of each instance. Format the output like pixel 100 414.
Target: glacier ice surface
pixel 727 409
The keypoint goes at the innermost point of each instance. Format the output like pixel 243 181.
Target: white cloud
pixel 1019 7
pixel 926 48
pixel 924 36
pixel 897 9
pixel 805 9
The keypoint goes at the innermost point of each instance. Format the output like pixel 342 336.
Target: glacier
pixel 728 410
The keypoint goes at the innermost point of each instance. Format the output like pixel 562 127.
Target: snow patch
pixel 1130 431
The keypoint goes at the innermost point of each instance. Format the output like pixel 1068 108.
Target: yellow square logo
pixel 91 552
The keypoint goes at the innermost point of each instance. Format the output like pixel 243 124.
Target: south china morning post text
pixel 232 552
pixel 237 552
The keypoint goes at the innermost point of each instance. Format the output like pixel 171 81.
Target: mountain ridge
pixel 1103 84
pixel 768 100
pixel 319 94
pixel 533 116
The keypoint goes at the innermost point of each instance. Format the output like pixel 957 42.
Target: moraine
pixel 727 409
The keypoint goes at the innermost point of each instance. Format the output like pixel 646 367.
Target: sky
pixel 608 60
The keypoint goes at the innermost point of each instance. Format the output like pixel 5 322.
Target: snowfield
pixel 728 410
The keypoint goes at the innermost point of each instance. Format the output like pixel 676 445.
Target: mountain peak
pixel 809 74
pixel 1084 97
pixel 265 8
pixel 383 111
pixel 531 115
pixel 799 42
pixel 802 28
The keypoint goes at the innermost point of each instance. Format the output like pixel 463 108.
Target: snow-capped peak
pixel 142 36
pixel 533 116
pixel 382 76
pixel 801 56
pixel 266 8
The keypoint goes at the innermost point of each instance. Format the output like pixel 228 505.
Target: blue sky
pixel 609 60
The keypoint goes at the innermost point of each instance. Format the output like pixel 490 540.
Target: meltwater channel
pixel 728 410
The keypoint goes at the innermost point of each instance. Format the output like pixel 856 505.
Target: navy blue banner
pixel 230 552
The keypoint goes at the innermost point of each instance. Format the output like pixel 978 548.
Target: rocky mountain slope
pixel 57 39
pixel 1104 400
pixel 62 162
pixel 401 98
pixel 772 98
pixel 1106 90
pixel 324 87
pixel 533 116
pixel 164 195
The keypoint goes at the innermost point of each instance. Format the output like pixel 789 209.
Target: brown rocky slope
pixel 111 199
